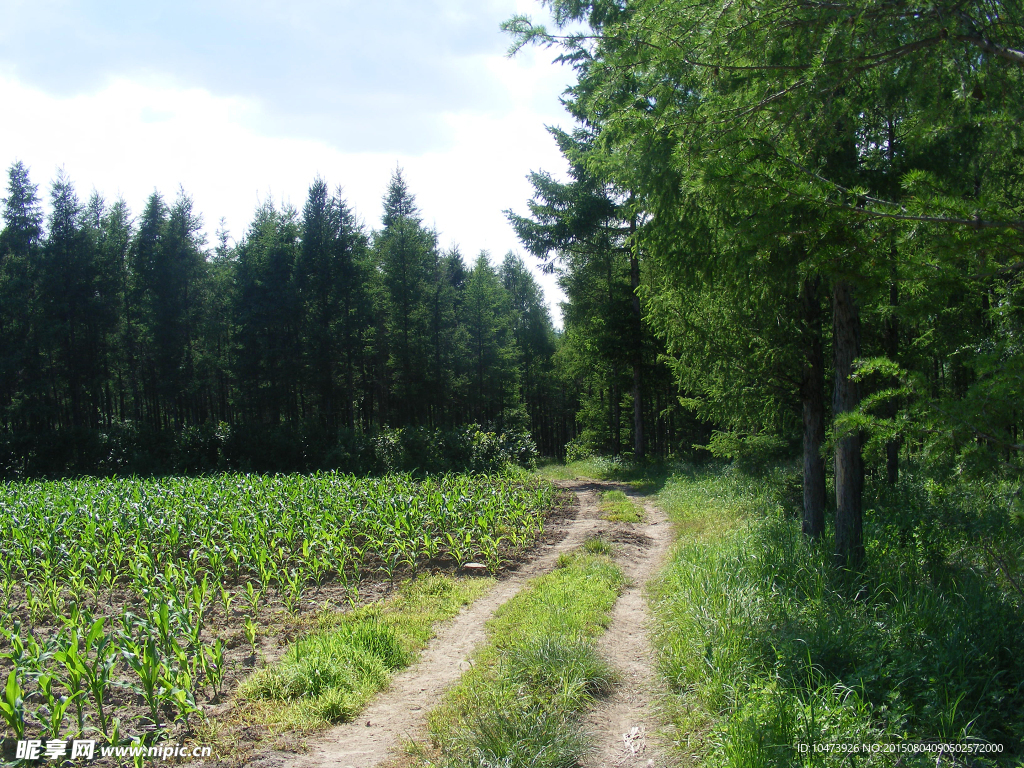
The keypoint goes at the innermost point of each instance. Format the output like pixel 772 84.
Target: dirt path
pixel 623 725
pixel 399 713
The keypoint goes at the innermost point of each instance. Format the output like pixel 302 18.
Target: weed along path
pixel 398 714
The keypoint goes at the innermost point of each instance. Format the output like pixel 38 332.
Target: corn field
pixel 112 589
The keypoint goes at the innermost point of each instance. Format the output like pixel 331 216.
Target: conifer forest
pixel 786 395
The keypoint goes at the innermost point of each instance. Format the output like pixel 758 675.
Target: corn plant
pixel 12 706
pixel 54 710
pixel 200 594
pixel 161 621
pixel 183 698
pixel 251 628
pixel 293 588
pixel 144 659
pixel 36 607
pixel 75 671
pixel 214 665
pixel 253 597
pixel 226 599
pixel 99 661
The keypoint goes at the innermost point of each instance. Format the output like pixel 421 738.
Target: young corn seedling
pixel 200 601
pixel 77 588
pixel 100 659
pixel 251 629
pixel 226 599
pixel 26 655
pixel 294 586
pixel 162 622
pixel 7 589
pixel 215 666
pixel 109 579
pixel 36 607
pixel 52 713
pixel 144 659
pixel 54 598
pixel 138 753
pixel 253 598
pixel 183 697
pixel 76 673
pixel 12 706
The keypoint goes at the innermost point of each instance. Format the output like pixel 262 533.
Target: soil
pixel 623 725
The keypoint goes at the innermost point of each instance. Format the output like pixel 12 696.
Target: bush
pixel 130 449
pixel 751 453
pixel 577 450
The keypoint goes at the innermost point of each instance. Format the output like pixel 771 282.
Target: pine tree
pixel 267 317
pixel 409 263
pixel 329 286
pixel 493 393
pixel 20 242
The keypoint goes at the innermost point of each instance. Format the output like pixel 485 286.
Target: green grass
pixel 646 477
pixel 707 502
pixel 329 675
pixel 597 545
pixel 619 508
pixel 520 704
pixel 765 646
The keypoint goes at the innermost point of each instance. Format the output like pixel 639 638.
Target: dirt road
pixel 620 724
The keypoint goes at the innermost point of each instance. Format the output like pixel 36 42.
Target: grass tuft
pixel 331 675
pixel 523 736
pixel 568 669
pixel 598 545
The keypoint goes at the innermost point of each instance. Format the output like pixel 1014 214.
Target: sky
pixel 236 102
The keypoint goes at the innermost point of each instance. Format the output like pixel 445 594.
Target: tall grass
pixel 766 647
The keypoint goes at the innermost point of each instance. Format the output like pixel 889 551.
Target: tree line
pixel 310 325
pixel 820 209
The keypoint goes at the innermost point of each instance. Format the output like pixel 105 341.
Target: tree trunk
pixel 615 403
pixel 638 414
pixel 812 395
pixel 892 447
pixel 849 465
pixel 892 343
pixel 638 403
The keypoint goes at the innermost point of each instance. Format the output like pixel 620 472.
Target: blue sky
pixel 239 101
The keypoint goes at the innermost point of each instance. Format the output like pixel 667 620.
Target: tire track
pixel 399 713
pixel 624 724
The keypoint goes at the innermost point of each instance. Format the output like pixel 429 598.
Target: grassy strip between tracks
pixel 521 702
pixel 617 507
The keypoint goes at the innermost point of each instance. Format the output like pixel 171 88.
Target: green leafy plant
pixel 12 706
pixel 144 659
pixel 251 629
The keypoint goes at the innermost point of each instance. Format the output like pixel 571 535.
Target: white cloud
pixel 237 101
pixel 132 136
